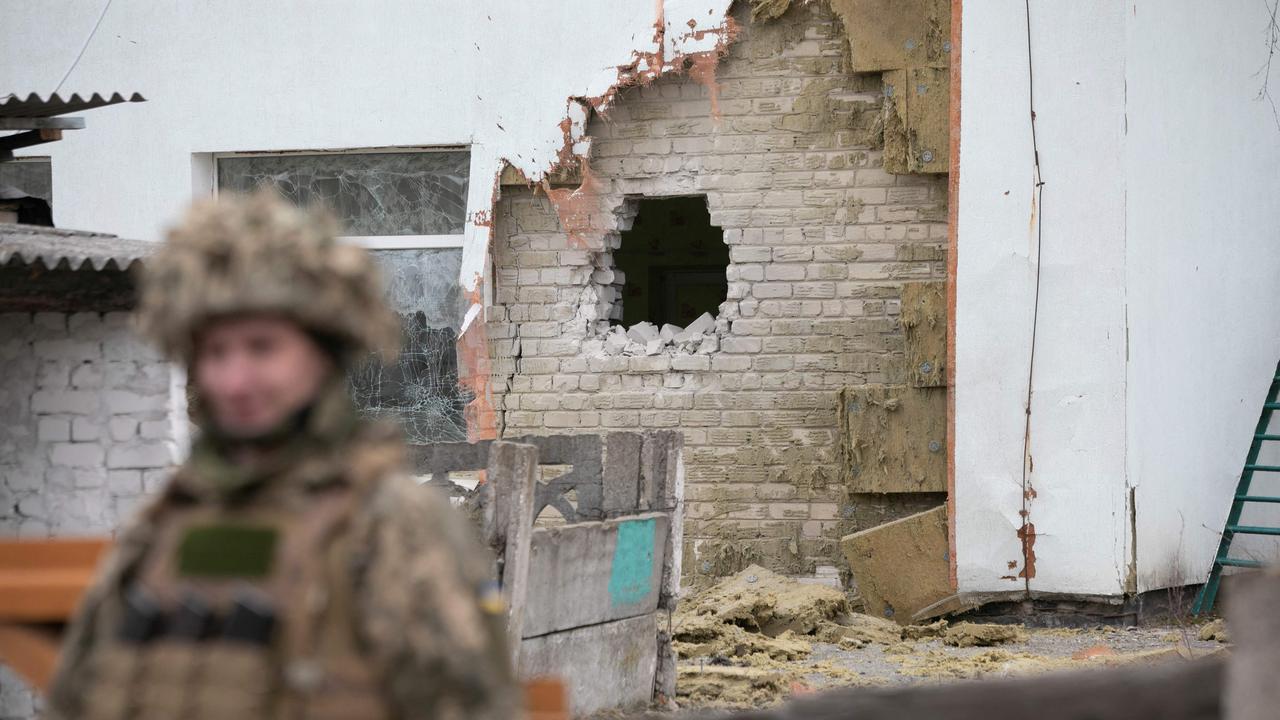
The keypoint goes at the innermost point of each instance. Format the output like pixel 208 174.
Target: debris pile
pixel 758 637
pixel 1215 630
pixel 973 635
pixel 737 638
pixel 645 338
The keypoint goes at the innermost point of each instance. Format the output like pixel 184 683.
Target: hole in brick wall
pixel 673 262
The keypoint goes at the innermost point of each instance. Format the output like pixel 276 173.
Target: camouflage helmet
pixel 260 254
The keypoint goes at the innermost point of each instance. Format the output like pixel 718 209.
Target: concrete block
pixel 122 428
pixel 75 402
pixel 76 454
pixel 613 566
pixel 617 340
pixel 139 455
pixel 124 482
pixel 85 430
pixel 621 481
pixel 696 329
pixel 87 376
pixel 608 666
pixel 53 430
pixel 155 429
pixel 642 333
pixel 122 402
pixel 901 567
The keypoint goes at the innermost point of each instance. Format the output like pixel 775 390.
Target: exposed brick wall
pixel 84 422
pixel 820 239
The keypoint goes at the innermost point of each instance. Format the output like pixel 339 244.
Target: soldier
pixel 290 568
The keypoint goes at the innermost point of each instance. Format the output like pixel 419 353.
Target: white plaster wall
pixel 1075 495
pixel 1159 276
pixel 1203 167
pixel 239 75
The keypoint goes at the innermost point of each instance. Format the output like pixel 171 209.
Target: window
pixel 409 208
pixel 673 261
pixel 31 177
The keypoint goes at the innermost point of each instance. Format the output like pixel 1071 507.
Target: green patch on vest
pixel 227 551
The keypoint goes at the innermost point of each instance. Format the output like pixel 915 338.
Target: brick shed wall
pixel 820 240
pixel 84 422
pixel 84 433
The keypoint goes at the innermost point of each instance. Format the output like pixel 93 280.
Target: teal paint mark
pixel 631 579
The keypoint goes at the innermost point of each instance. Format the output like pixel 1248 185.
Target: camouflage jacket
pixel 422 605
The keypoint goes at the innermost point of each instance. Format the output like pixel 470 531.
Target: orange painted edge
pixel 57 553
pixel 32 653
pixel 42 595
pixel 953 212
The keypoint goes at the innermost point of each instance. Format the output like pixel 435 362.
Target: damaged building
pixel 951 302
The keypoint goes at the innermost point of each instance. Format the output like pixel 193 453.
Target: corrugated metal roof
pixel 54 104
pixel 53 246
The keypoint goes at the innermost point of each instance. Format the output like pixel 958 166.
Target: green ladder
pixel 1208 593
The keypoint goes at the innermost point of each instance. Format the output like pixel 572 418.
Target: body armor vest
pixel 239 612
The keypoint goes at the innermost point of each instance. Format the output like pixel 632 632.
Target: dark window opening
pixel 673 261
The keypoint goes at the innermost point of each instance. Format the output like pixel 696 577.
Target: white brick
pixel 53 430
pixel 85 429
pixel 155 429
pixel 124 482
pixel 86 376
pixel 139 455
pixel 154 480
pixel 76 454
pixel 76 402
pixel 88 478
pixel 122 428
pixel 121 402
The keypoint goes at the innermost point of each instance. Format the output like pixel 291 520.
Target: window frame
pixel 371 242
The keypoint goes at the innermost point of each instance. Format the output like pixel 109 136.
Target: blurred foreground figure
pixel 290 568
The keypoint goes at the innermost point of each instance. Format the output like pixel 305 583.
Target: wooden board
pixel 595 572
pixel 901 567
pixel 607 666
pixel 924 321
pixel 894 438
pixel 42 580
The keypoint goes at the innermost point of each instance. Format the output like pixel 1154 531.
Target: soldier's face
pixel 253 372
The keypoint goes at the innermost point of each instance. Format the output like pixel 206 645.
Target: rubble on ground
pixel 977 635
pixel 1215 630
pixel 738 635
pixel 757 637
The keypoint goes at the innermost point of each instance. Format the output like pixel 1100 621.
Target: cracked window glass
pixel 421 390
pixel 392 193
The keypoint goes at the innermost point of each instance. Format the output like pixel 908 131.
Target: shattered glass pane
pixel 392 193
pixel 420 391
pixel 33 177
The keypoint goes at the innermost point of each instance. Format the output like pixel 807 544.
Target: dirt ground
pixel 757 638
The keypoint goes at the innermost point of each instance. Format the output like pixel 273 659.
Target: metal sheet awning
pixel 35 106
pixel 38 118
pixel 73 249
